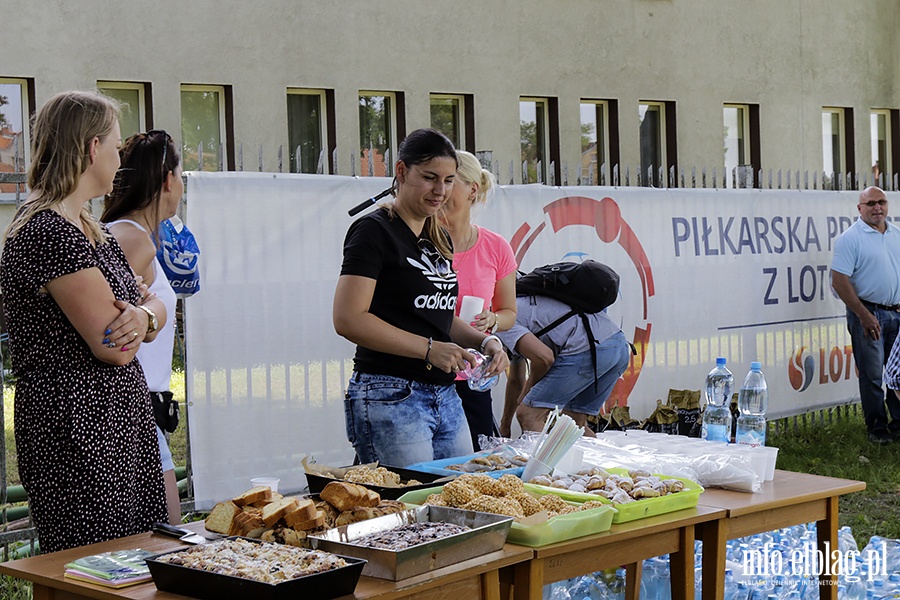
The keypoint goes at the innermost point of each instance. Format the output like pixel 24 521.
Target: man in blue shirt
pixel 865 274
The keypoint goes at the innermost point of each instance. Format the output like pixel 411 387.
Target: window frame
pixel 463 116
pixel 145 110
pixel 609 125
pixel 326 124
pixel 845 144
pixel 394 128
pixel 745 142
pixel 548 108
pixel 27 98
pixel 887 167
pixel 661 141
pixel 225 134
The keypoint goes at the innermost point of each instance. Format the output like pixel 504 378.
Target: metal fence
pixel 744 176
pixel 17 534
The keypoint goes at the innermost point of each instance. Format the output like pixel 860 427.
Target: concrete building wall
pixel 791 57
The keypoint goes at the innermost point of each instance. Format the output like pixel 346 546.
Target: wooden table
pixel 475 578
pixel 790 499
pixel 624 544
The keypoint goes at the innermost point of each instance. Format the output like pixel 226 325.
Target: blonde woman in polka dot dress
pixel 86 441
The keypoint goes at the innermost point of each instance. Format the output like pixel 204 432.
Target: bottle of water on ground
pixel 753 401
pixel 717 414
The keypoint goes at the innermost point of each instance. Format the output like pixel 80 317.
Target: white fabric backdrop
pixel 737 273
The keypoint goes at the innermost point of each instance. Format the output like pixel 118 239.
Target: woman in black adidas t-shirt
pixel 395 300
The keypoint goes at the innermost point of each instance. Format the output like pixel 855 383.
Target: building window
pixel 204 115
pixel 311 130
pixel 15 97
pixel 599 142
pixel 837 147
pixel 135 115
pixel 452 115
pixel 539 139
pixel 653 149
pixel 741 147
pixel 882 149
pixel 377 133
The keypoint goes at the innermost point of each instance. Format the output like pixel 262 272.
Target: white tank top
pixel 156 356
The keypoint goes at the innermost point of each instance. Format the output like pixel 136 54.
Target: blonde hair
pixel 471 171
pixel 60 153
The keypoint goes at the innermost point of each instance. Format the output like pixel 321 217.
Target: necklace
pixel 65 213
pixel 471 240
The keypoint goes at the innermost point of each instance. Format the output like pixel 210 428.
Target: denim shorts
pixel 569 383
pixel 399 422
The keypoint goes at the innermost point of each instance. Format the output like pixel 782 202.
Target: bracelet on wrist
pixel 427 352
pixel 489 338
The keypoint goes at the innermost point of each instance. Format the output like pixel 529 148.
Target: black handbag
pixel 165 410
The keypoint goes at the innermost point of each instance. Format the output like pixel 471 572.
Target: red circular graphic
pixel 606 219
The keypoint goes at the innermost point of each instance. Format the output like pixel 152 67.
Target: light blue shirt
pixel 871 260
pixel 569 337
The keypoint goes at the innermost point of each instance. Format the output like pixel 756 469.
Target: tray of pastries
pixel 389 482
pixel 236 567
pixel 540 518
pixel 635 493
pixel 417 540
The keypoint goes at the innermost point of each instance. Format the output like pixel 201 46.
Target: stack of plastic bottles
pixel 870 574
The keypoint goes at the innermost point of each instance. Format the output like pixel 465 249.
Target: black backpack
pixel 587 287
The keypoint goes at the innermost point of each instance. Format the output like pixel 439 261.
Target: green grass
pixel 839 448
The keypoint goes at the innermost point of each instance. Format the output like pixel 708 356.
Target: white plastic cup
pixel 533 468
pixel 771 453
pixel 471 307
pixel 571 461
pixel 272 482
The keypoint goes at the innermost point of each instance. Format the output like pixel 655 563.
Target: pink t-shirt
pixel 479 268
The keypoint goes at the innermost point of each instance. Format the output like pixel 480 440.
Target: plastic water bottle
pixel 753 401
pixel 475 373
pixel 717 414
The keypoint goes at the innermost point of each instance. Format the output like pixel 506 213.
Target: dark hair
pixel 419 147
pixel 147 159
pixel 422 145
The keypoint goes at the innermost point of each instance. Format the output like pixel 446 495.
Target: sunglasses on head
pixel 160 133
pixel 873 203
pixel 438 261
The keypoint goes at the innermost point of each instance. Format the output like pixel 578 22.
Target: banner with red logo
pixel 742 274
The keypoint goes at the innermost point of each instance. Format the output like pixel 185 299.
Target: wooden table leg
pixel 681 566
pixel 713 534
pixel 528 580
pixel 827 538
pixel 490 585
pixel 633 573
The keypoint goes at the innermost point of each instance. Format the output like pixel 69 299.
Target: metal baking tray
pixel 196 583
pixel 317 482
pixel 488 533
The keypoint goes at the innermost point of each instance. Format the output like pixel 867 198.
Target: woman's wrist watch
pixel 152 321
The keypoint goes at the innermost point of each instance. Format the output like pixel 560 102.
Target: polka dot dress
pixel 85 435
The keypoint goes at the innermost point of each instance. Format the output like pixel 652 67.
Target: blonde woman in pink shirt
pixel 486 268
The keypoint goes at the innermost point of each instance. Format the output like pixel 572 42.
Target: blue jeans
pixel 870 357
pixel 399 422
pixel 569 383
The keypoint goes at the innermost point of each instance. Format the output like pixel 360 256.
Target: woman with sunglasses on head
pixel 87 450
pixel 146 191
pixel 395 300
pixel 485 268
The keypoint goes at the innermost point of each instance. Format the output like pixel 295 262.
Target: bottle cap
pixel 720 360
pixel 755 366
